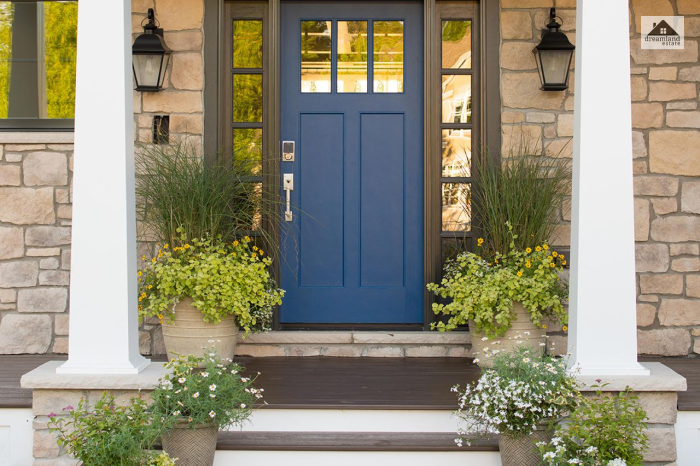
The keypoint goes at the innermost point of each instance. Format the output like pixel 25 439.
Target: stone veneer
pixel 666 141
pixel 35 178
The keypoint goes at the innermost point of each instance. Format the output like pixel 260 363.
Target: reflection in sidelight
pixel 316 56
pixel 247 98
pixel 456 207
pixel 352 56
pixel 247 149
pixel 452 247
pixel 457 44
pixel 388 56
pixel 456 98
pixel 247 43
pixel 456 152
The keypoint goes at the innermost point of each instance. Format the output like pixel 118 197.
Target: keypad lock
pixel 288 151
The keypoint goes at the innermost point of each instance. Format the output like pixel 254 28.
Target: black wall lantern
pixel 553 56
pixel 151 57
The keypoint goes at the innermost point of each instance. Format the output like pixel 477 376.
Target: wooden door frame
pixel 487 116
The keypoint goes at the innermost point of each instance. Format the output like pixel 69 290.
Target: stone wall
pixel 35 219
pixel 666 140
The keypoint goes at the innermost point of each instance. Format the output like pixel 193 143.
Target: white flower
pixel 182 380
pixel 196 395
pixel 590 450
pixel 234 372
pixel 550 455
pixel 211 395
pixel 617 462
pixel 242 405
pixel 212 387
pixel 526 360
pixel 205 374
pixel 483 339
pixel 176 413
pixel 212 414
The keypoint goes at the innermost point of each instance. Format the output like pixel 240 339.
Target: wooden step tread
pixel 348 441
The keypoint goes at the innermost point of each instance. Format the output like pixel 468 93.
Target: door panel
pixel 353 253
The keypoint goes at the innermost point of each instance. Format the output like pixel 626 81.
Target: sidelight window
pixel 456 127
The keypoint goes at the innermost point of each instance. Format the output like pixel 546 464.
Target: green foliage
pixel 217 394
pixel 519 394
pixel 108 434
pixel 6 16
pixel 607 428
pixel 483 291
pixel 524 191
pixel 221 278
pixel 176 189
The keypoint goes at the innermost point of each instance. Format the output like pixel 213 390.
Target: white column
pixel 103 292
pixel 603 318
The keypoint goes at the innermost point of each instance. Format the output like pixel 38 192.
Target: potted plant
pixel 519 399
pixel 604 430
pixel 505 299
pixel 109 433
pixel 202 292
pixel 199 397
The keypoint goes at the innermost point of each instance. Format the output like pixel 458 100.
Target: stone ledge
pixel 373 338
pixel 36 137
pixel 45 377
pixel 660 379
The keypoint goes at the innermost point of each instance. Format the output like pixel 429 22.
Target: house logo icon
pixel 662 32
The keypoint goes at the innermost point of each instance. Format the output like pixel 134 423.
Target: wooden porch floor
pixel 347 383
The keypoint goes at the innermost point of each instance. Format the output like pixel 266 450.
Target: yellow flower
pixel 528 250
pixel 555 253
pixel 261 252
pixel 255 248
pixel 528 264
pixel 545 247
pixel 153 260
pixel 549 258
pixel 150 286
pixel 160 316
pixel 551 264
pixel 520 273
pixel 233 254
pixel 140 298
pixel 139 273
pixel 480 242
pixel 564 328
pixel 143 258
pixel 561 256
pixel 247 238
pixel 538 249
pixel 166 246
pixel 563 262
pixel 544 326
pixel 140 308
pixel 496 261
pixel 187 246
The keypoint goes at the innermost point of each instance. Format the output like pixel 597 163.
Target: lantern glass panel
pixel 150 69
pixel 555 65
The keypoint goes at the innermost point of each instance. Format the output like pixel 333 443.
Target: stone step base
pixel 356 344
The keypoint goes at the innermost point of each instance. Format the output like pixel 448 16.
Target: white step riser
pixel 351 420
pixel 688 438
pixel 329 458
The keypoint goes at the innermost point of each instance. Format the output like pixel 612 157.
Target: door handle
pixel 288 187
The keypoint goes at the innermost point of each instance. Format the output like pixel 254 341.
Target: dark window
pixel 38 46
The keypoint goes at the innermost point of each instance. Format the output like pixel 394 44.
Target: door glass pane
pixel 456 152
pixel 456 99
pixel 247 149
pixel 352 56
pixel 315 56
pixel 247 98
pixel 250 207
pixel 456 207
pixel 247 43
pixel 388 56
pixel 456 44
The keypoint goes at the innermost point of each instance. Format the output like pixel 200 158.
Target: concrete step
pixel 356 344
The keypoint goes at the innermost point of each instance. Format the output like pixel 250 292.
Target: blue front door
pixel 352 102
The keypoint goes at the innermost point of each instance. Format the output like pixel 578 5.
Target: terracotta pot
pixel 191 447
pixel 521 451
pixel 189 334
pixel 520 324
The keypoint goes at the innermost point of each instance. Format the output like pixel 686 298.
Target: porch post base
pixel 129 367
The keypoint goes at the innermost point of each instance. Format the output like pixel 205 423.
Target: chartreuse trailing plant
pixel 217 394
pixel 520 393
pixel 606 429
pixel 483 290
pixel 109 433
pixel 222 278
